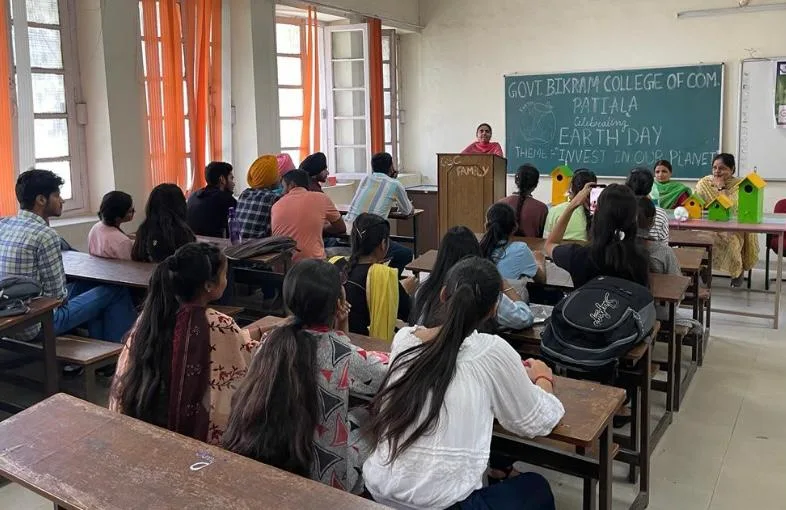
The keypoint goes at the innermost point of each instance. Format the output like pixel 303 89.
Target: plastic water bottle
pixel 232 227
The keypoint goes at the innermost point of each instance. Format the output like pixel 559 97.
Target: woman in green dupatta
pixel 669 194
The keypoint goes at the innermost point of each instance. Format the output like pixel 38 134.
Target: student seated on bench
pixel 377 194
pixel 106 238
pixel 208 208
pixel 457 244
pixel 432 419
pixel 292 409
pixel 167 372
pixel 373 288
pixel 304 216
pixel 256 202
pixel 164 229
pixel 614 249
pixel 30 247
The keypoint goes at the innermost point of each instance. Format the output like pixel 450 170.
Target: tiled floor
pixel 725 450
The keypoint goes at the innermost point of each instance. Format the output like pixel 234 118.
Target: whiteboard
pixel 761 144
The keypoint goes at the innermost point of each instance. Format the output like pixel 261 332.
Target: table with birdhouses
pixel 746 217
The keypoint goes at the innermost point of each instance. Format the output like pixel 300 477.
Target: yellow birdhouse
pixel 694 205
pixel 561 177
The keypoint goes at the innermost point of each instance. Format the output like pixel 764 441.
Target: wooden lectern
pixel 468 185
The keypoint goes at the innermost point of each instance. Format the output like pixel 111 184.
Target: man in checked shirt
pixel 30 247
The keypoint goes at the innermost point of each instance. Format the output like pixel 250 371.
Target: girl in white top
pixel 432 421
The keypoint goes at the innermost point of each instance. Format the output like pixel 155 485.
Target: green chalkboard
pixel 611 121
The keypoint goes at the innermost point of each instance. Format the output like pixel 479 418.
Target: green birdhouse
pixel 750 201
pixel 720 209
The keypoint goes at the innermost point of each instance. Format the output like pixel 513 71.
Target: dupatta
pixel 670 194
pixel 484 148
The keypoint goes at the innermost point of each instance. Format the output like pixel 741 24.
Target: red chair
pixel 772 244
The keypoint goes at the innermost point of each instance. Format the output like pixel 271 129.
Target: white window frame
pixel 22 97
pixel 393 117
pixel 301 24
pixel 331 119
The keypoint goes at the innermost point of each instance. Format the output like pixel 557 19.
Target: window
pixel 47 91
pixel 390 86
pixel 290 35
pixel 344 87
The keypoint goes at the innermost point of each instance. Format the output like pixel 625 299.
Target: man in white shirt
pixel 377 194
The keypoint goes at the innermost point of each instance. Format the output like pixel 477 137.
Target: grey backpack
pixel 15 293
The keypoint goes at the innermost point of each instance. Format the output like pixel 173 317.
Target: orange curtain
pixel 214 110
pixel 310 133
pixel 203 50
pixel 8 202
pixel 376 88
pixel 164 81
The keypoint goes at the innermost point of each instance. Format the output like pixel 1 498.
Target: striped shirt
pixel 660 229
pixel 29 247
pixel 376 194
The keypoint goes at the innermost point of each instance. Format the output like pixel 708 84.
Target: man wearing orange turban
pixel 254 204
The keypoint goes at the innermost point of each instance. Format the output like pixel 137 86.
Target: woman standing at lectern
pixel 483 143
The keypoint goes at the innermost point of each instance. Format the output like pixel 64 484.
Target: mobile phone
pixel 595 191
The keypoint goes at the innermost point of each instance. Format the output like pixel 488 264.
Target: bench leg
pixel 604 468
pixel 635 416
pixel 89 383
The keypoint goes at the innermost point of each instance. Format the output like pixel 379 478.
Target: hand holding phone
pixel 595 191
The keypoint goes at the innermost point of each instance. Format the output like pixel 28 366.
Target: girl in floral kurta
pixel 293 408
pixel 183 361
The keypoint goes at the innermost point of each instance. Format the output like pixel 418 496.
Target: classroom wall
pixel 452 72
pixel 406 11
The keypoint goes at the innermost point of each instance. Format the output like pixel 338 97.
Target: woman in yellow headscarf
pixel 732 252
pixel 254 204
pixel 373 289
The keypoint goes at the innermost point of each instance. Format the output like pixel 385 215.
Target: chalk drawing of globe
pixel 538 123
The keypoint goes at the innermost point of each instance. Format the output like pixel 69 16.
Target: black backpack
pixel 594 326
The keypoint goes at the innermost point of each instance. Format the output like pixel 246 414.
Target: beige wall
pixel 453 71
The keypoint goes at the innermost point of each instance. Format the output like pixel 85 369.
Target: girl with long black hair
pixel 514 259
pixel 433 419
pixel 292 409
pixel 167 373
pixel 164 229
pixel 373 288
pixel 613 249
pixel 457 244
pixel 531 213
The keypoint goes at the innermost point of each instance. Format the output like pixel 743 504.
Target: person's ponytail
pixel 143 391
pixel 500 225
pixel 275 410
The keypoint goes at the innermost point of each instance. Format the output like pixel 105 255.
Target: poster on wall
pixel 780 95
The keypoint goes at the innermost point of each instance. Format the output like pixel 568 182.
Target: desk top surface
pixel 82 456
pixel 771 224
pixel 394 214
pixel 38 306
pixel 82 266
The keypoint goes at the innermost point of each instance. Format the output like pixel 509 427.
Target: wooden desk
pixel 556 277
pixel 396 215
pixel 635 372
pixel 81 266
pixel 81 456
pixel 690 259
pixel 589 409
pixel 41 312
pixel 773 224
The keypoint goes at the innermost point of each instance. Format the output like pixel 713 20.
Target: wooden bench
pixel 88 353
